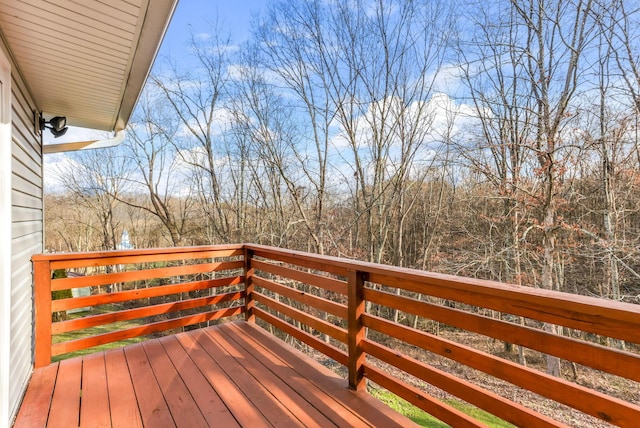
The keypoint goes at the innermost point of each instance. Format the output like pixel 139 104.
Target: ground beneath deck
pixel 235 374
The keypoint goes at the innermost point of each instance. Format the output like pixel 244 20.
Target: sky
pixel 196 16
pixel 190 17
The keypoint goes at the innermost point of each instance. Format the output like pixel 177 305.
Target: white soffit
pixel 85 59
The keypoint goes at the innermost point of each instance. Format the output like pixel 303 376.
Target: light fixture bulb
pixel 57 125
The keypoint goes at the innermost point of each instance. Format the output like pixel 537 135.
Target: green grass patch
pixel 424 419
pixel 93 331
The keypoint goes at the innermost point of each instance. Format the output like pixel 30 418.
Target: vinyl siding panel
pixel 27 201
pixel 26 214
pixel 25 172
pixel 21 185
pixel 26 235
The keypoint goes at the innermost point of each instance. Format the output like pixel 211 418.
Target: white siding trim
pixel 5 233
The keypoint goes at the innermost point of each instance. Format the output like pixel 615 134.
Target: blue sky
pixel 191 16
pixel 197 15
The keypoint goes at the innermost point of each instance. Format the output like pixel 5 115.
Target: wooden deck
pixel 234 374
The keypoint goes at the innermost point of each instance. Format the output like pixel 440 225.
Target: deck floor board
pixel 94 409
pixel 122 397
pixel 66 395
pixel 288 397
pixel 234 374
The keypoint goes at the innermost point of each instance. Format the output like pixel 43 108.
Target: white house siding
pixel 26 235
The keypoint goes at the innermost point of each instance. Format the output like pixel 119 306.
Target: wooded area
pixel 495 140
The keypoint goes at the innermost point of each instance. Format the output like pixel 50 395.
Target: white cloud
pixel 54 165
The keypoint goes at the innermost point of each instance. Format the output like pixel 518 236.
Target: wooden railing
pixel 408 331
pixel 162 289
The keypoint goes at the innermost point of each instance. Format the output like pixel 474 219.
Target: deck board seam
pixel 321 386
pixel 279 390
pixel 197 354
pixel 255 396
pixel 247 348
pixel 359 403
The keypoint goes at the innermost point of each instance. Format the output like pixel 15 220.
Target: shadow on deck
pixel 229 375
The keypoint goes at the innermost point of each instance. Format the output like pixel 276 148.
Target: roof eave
pixel 156 21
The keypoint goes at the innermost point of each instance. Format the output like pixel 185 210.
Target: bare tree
pixel 367 67
pixel 159 173
pixel 195 96
pixel 532 57
pixel 96 179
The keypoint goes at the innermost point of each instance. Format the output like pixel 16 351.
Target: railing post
pixel 42 312
pixel 249 303
pixel 356 331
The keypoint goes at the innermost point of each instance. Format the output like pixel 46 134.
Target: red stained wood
pixel 74 345
pixel 94 409
pixel 122 398
pixel 367 408
pixel 316 323
pixel 440 410
pixel 228 367
pixel 144 255
pixel 478 396
pixel 142 293
pixel 356 331
pixel 228 375
pixel 275 362
pixel 600 357
pixel 286 395
pixel 326 348
pixel 325 305
pixel 139 275
pixel 249 288
pixel 66 396
pixel 205 396
pixel 587 400
pixel 319 281
pixel 184 410
pixel 145 311
pixel 299 258
pixel 37 400
pixel 234 399
pixel 261 398
pixel 153 407
pixel 42 312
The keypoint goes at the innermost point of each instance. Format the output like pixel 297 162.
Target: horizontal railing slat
pixel 322 282
pixel 418 398
pixel 479 397
pixel 146 258
pixel 143 274
pixel 334 331
pixel 165 252
pixel 300 296
pixel 298 258
pixel 145 311
pixel 600 357
pixel 89 342
pixel 143 293
pixel 326 348
pixel 584 399
pixel 614 319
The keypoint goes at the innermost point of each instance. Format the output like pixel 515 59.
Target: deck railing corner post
pixel 356 330
pixel 42 312
pixel 249 303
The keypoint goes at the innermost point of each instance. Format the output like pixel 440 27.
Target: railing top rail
pixel 465 284
pixel 136 252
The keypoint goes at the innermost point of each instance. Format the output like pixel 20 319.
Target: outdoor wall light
pixel 57 125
